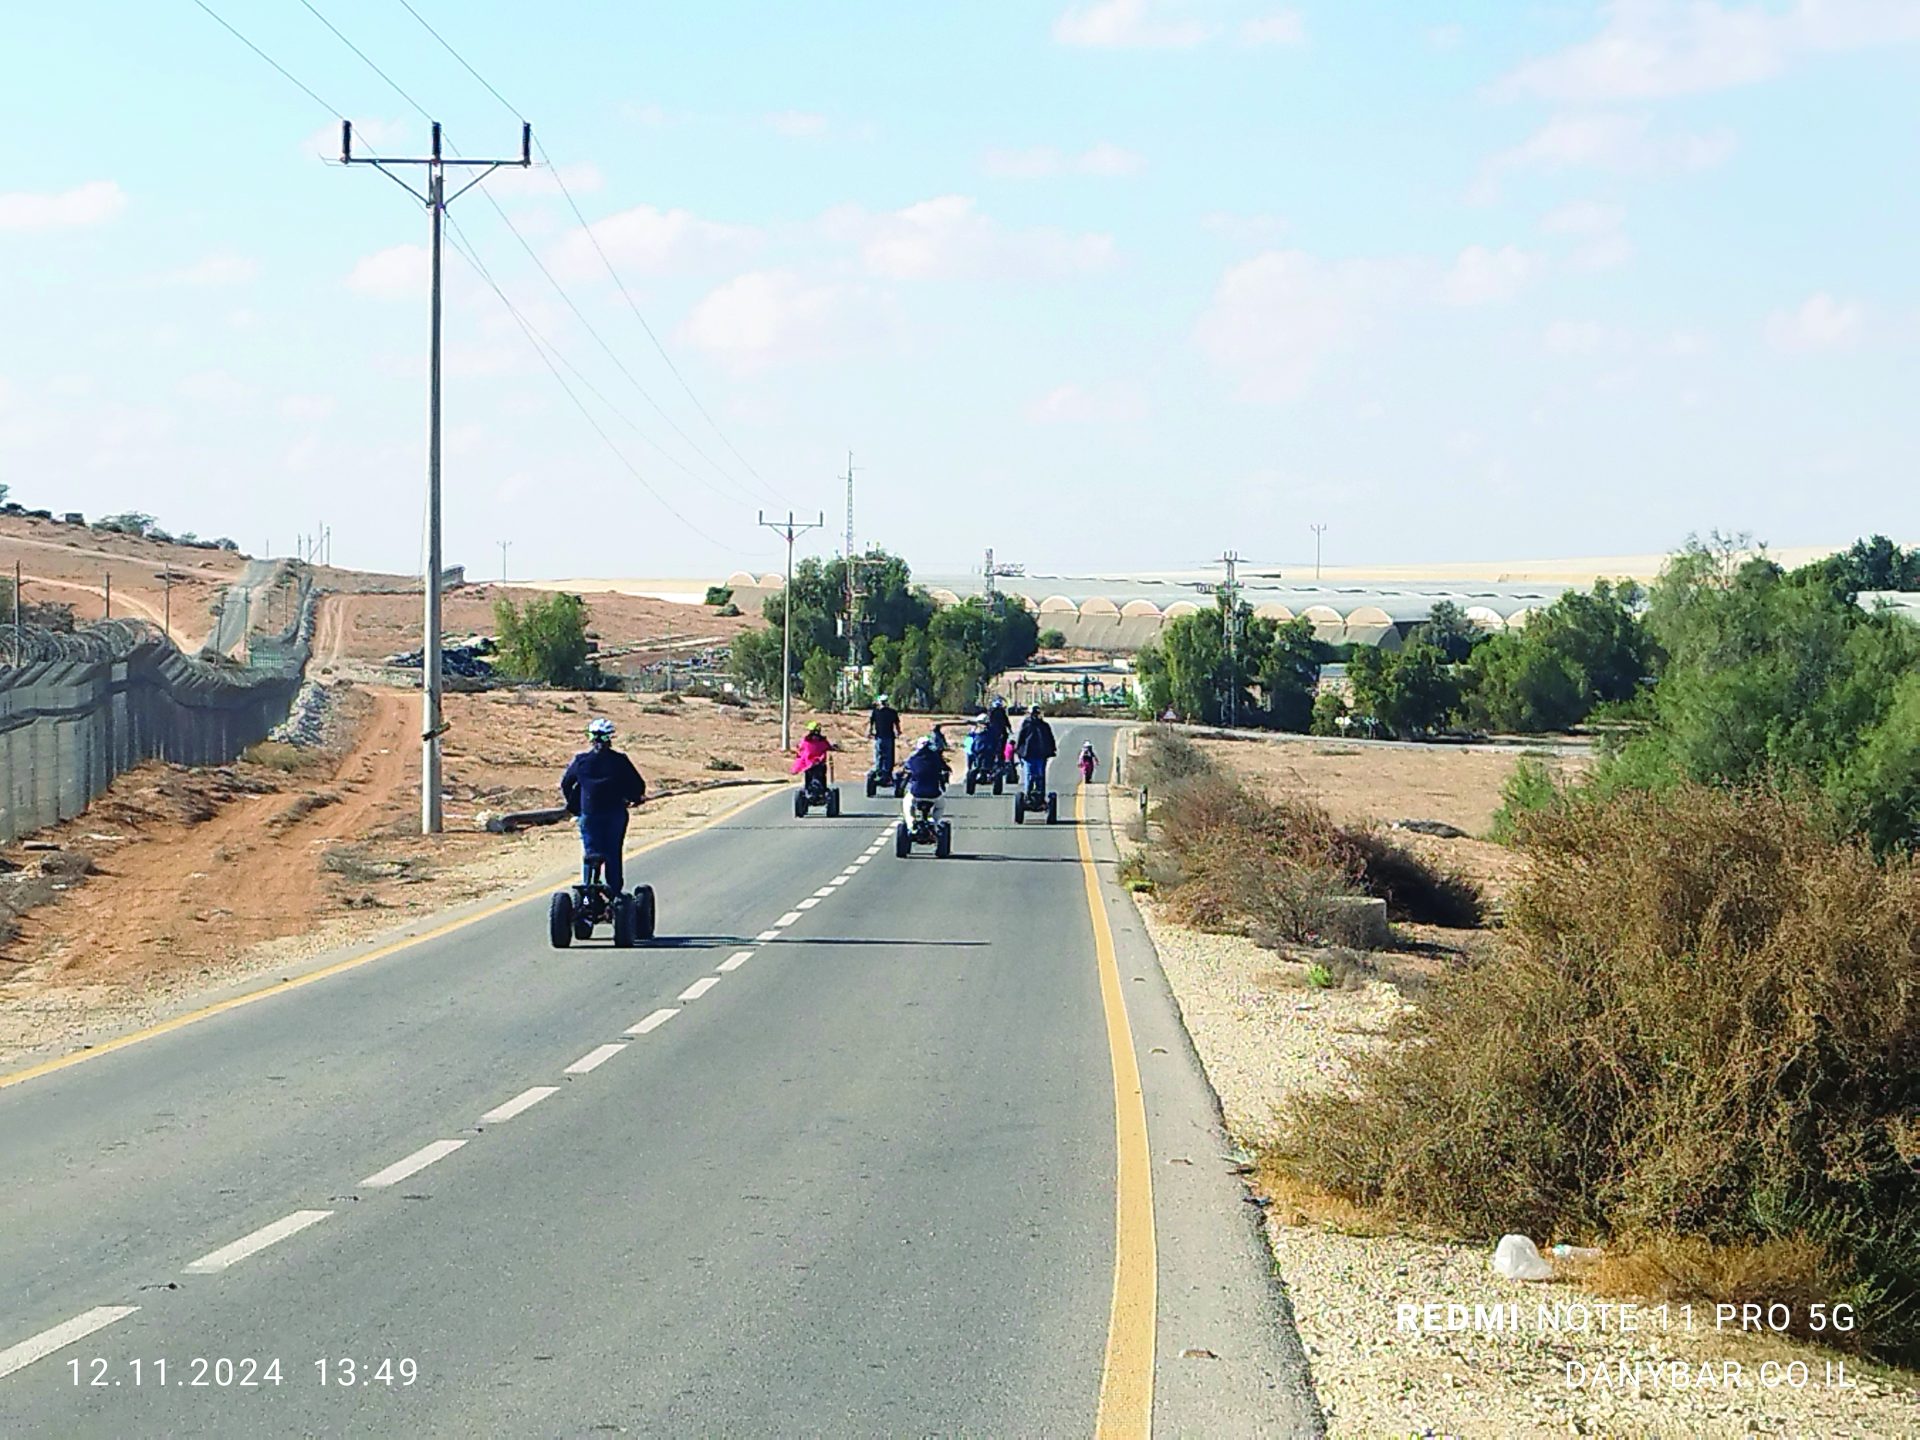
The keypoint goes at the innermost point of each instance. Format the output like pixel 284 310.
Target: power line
pixel 285 73
pixel 393 84
pixel 594 240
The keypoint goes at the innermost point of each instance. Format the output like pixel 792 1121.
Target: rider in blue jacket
pixel 926 779
pixel 598 787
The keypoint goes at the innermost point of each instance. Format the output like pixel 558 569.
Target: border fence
pixel 78 709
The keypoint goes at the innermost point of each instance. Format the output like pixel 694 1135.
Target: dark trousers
pixel 602 836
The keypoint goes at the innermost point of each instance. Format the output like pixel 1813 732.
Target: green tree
pixel 1875 563
pixel 1517 683
pixel 1448 630
pixel 127 522
pixel 1053 640
pixel 819 678
pixel 546 641
pixel 1283 661
pixel 1409 692
pixel 1329 709
pixel 755 660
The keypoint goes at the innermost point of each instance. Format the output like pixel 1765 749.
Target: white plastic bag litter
pixel 1518 1258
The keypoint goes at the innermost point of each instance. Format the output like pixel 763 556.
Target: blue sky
pixel 1111 283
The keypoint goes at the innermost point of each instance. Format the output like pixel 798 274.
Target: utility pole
pixel 788 528
pixel 853 591
pixel 503 560
pixel 166 600
pixel 107 614
pixel 436 199
pixel 19 647
pixel 1318 531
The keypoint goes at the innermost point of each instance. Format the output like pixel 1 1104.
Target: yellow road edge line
pixel 327 972
pixel 1126 1377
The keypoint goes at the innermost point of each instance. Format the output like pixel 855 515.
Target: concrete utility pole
pixel 436 199
pixel 166 600
pixel 503 560
pixel 788 528
pixel 1318 531
pixel 19 647
pixel 107 614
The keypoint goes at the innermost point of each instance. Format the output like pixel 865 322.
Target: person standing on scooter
pixel 926 780
pixel 883 726
pixel 999 729
pixel 598 787
pixel 1035 746
pixel 1087 762
pixel 810 758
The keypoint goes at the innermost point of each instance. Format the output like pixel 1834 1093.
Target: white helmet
pixel 600 730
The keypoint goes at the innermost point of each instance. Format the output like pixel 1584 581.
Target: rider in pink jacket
pixel 812 753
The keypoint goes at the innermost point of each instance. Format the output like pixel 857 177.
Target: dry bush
pixel 278 755
pixel 1704 1024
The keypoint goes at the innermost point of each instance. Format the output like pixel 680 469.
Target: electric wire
pixel 594 240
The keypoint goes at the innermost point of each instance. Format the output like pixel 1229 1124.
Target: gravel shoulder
pixel 1377 1368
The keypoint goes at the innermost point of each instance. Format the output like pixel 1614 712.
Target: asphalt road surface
pixel 842 1154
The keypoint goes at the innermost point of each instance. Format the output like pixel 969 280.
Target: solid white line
pixel 823 892
pixel 766 935
pixel 652 1022
pixel 787 919
pixel 734 962
pixel 699 987
pixel 811 901
pixel 594 1058
pixel 419 1160
pixel 18 1357
pixel 227 1255
pixel 525 1100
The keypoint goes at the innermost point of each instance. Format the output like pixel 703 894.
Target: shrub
pixel 1702 1026
pixel 720 762
pixel 1528 790
pixel 546 641
pixel 1053 640
pixel 719 595
pixel 1169 755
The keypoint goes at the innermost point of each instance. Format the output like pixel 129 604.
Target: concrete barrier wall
pixel 85 708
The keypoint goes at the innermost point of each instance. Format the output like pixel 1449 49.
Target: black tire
pixel 943 846
pixel 623 922
pixel 873 785
pixel 902 840
pixel 900 788
pixel 800 804
pixel 833 803
pixel 999 784
pixel 582 929
pixel 560 920
pixel 645 915
pixel 1019 809
pixel 1053 808
pixel 971 782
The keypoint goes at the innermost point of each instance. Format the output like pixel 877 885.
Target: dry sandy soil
pixel 69 565
pixel 177 880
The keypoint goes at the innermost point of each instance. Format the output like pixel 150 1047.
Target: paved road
pixel 855 1175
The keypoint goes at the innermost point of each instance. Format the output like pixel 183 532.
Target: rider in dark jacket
pixel 926 779
pixel 1035 746
pixel 998 727
pixel 598 787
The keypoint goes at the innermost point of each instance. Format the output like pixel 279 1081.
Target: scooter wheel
pixel 799 804
pixel 623 922
pixel 560 920
pixel 1053 808
pixel 873 787
pixel 902 840
pixel 833 803
pixel 644 913
pixel 1019 809
pixel 943 843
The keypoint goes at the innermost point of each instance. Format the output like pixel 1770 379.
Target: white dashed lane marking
pixel 766 935
pixel 418 1161
pixel 230 1255
pixel 787 919
pixel 734 962
pixel 652 1022
pixel 823 892
pixel 811 901
pixel 699 987
pixel 38 1347
pixel 525 1100
pixel 594 1058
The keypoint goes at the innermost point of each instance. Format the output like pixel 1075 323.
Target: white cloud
pixel 652 242
pixel 221 268
pixel 1278 318
pixel 947 237
pixel 798 124
pixel 1446 37
pixel 1652 49
pixel 395 273
pixel 93 203
pixel 1045 162
pixel 1130 25
pixel 1283 27
pixel 1603 243
pixel 1820 322
pixel 1088 405
pixel 542 182
pixel 768 317
pixel 1483 276
pixel 1582 337
pixel 1610 140
pixel 305 407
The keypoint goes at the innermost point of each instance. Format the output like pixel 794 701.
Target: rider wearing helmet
pixel 598 787
pixel 926 779
pixel 999 726
pixel 1035 746
pixel 883 726
pixel 811 756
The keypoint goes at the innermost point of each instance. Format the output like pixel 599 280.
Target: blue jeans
pixel 603 835
pixel 1037 774
pixel 883 754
